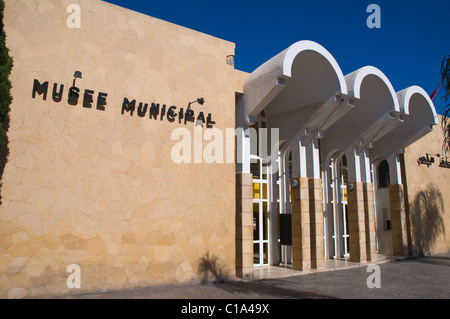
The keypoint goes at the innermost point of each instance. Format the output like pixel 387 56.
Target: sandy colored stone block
pixel 71 242
pixel 20 237
pixel 244 179
pixel 17 264
pixel 129 238
pixel 34 267
pixel 74 257
pixel 184 272
pixel 96 247
pixel 17 293
pixel 161 253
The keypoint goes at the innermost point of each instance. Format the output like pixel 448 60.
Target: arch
pixel 356 78
pixel 418 120
pixel 376 111
pixel 267 82
pixel 383 177
pixel 294 50
pixel 406 100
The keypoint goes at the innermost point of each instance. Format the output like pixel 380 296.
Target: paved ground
pixel 411 278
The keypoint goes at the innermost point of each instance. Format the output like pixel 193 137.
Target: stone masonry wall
pixel 98 188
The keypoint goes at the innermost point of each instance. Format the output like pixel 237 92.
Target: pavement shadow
pixel 434 260
pixel 210 268
pixel 267 289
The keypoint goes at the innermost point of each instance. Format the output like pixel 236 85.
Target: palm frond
pixel 445 72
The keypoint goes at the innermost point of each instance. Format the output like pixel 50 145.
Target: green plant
pixel 6 64
pixel 445 72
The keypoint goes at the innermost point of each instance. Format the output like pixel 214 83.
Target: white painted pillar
pixel 315 205
pixel 395 172
pixel 303 157
pixel 285 197
pixel 365 166
pixel 354 164
pixel 272 143
pixel 296 157
pixel 328 216
pixel 245 136
pixel 313 159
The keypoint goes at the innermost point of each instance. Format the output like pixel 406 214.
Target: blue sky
pixel 409 47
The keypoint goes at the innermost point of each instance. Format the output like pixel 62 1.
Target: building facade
pixel 139 154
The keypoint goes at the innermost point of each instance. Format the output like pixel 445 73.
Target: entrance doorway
pixel 284 205
pixel 261 196
pixel 260 212
pixel 337 209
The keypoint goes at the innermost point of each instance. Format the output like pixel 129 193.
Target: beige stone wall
pixel 98 188
pixel 428 196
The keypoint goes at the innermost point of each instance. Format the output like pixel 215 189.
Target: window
pixel 387 219
pixel 383 175
pixel 260 171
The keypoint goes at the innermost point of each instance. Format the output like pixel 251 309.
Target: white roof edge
pixel 355 79
pixel 262 82
pixel 405 95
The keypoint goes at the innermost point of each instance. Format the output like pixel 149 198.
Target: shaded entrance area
pixel 339 139
pixel 286 270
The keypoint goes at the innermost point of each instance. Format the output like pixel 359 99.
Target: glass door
pixel 338 171
pixel 260 171
pixel 260 212
pixel 343 206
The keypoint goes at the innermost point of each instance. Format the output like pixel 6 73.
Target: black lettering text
pixel 40 89
pixel 73 95
pixel 88 99
pixel 210 122
pixel 57 96
pixel 128 106
pixel 101 101
pixel 171 114
pixel 154 111
pixel 142 111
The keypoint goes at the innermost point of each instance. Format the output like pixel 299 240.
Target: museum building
pixel 318 166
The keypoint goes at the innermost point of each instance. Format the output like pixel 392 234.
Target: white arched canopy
pixel 294 87
pixel 376 111
pixel 419 118
pixel 322 115
pixel 304 94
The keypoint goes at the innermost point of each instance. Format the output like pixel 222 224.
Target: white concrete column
pixel 303 157
pixel 313 159
pixel 328 197
pixel 273 219
pixel 245 136
pixel 354 164
pixel 285 180
pixel 365 166
pixel 284 197
pixel 295 149
pixel 395 171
